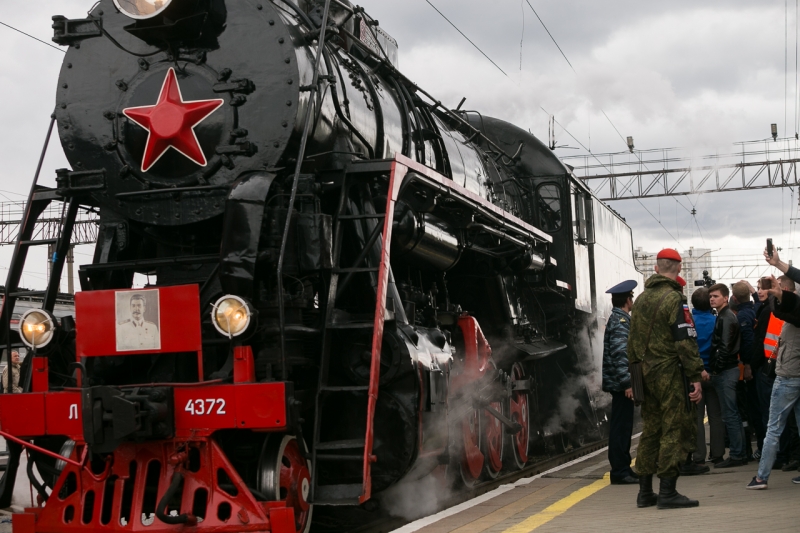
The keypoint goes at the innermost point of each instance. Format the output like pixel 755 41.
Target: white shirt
pixel 141 335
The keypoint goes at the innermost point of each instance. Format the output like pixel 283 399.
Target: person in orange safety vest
pixel 767 334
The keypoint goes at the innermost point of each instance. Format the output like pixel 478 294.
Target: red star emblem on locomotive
pixel 170 123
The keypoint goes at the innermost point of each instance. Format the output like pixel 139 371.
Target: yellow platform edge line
pixel 558 508
pixel 504 513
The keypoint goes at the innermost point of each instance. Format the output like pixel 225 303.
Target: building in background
pixel 695 261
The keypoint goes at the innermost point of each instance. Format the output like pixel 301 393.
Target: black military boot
pixel 646 497
pixel 668 497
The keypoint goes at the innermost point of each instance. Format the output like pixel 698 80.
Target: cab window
pixel 548 200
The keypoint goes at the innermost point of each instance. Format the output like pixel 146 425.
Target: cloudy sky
pixel 700 75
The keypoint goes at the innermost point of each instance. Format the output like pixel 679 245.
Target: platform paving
pixel 580 499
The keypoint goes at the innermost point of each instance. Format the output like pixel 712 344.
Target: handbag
pixel 635 368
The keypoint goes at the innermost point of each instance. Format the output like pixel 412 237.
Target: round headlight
pixel 142 9
pixel 37 328
pixel 231 315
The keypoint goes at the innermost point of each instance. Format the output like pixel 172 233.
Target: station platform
pixel 578 498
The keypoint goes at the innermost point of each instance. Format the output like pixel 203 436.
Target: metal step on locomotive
pixel 349 284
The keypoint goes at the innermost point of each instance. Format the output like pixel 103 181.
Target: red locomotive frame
pixel 79 497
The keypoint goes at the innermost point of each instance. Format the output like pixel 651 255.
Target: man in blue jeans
pixel 786 389
pixel 724 364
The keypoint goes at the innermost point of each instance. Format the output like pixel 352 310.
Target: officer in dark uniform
pixel 617 381
pixel 663 340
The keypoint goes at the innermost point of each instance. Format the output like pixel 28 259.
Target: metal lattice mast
pixel 677 172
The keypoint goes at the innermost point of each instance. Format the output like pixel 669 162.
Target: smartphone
pixel 766 284
pixel 769 247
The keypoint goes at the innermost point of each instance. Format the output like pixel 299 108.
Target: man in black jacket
pixel 724 364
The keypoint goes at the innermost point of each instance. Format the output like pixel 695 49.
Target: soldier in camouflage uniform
pixel 663 340
pixel 617 381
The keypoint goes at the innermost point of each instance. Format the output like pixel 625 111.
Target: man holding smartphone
pixel 774 259
pixel 767 333
pixel 786 389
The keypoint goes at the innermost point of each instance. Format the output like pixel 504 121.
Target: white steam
pixel 588 345
pixel 414 499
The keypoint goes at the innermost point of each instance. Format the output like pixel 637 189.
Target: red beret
pixel 681 281
pixel 669 253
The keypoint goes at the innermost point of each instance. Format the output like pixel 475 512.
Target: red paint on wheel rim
pixel 472 462
pixel 494 438
pixel 519 412
pixel 295 483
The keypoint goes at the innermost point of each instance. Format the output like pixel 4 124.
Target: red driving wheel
pixel 285 475
pixel 472 459
pixel 494 437
pixel 519 412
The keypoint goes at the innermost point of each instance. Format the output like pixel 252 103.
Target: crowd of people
pixel 731 359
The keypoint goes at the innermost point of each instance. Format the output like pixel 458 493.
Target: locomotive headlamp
pixel 142 9
pixel 37 328
pixel 231 315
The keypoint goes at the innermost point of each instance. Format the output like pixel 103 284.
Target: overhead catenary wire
pixel 34 38
pixel 468 39
pixel 604 166
pixel 604 114
pixel 522 39
pixel 694 215
pixel 551 36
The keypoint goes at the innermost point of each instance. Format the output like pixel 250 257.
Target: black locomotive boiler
pixel 348 284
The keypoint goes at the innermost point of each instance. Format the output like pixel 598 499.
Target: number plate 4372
pixel 207 406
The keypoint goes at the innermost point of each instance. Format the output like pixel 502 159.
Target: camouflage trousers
pixel 669 431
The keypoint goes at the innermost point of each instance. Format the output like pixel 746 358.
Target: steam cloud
pixel 588 344
pixel 414 499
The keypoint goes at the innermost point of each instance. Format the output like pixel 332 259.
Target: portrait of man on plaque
pixel 138 321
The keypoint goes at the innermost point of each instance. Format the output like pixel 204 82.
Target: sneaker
pixel 796 480
pixel 756 455
pixel 755 484
pixel 716 460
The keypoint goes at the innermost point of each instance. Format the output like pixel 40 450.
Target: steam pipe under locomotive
pixel 349 285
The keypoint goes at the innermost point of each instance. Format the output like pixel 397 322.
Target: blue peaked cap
pixel 622 288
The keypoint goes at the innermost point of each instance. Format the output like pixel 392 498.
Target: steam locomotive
pixel 348 284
